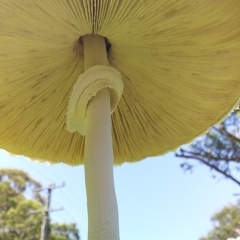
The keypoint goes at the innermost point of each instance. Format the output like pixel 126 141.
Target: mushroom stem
pixel 94 51
pixel 102 204
pixel 101 197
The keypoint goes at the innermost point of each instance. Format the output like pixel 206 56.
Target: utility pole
pixel 47 210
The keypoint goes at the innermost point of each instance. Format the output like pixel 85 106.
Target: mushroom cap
pixel 179 62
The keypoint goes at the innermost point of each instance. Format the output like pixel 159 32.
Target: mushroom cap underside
pixel 179 62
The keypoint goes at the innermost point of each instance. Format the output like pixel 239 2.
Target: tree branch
pixel 210 156
pixel 223 130
pixel 198 158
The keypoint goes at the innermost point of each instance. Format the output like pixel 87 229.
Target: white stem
pixel 102 204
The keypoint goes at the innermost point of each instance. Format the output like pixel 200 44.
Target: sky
pixel 156 199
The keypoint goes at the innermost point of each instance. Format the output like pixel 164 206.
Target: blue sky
pixel 156 199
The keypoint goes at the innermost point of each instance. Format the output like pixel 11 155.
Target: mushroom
pixel 166 70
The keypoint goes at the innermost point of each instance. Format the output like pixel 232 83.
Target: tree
pixel 16 222
pixel 64 232
pixel 226 224
pixel 219 149
pixel 21 213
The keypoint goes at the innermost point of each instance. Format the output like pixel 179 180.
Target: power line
pixel 47 210
pixel 52 173
pixel 49 174
pixel 71 218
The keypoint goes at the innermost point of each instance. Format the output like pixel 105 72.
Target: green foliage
pixel 22 222
pixel 21 218
pixel 225 223
pixel 20 181
pixel 16 220
pixel 64 232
